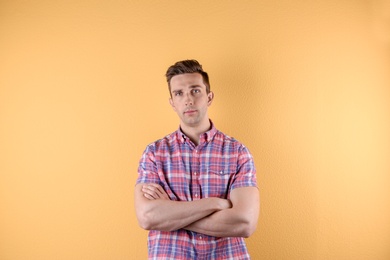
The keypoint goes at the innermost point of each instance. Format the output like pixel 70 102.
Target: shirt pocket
pixel 216 180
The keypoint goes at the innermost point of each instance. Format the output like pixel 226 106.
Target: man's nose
pixel 189 100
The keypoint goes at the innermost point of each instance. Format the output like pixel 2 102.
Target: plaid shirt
pixel 187 172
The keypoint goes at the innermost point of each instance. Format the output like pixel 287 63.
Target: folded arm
pixel 238 221
pixel 156 212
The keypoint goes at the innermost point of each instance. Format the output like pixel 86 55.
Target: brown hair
pixel 187 66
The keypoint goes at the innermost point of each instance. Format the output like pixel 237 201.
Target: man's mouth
pixel 190 111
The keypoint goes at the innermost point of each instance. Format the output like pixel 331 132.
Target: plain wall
pixel 304 84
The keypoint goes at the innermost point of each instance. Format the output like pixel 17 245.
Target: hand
pixel 154 191
pixel 226 204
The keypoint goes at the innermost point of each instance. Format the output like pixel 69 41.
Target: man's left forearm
pixel 238 221
pixel 224 223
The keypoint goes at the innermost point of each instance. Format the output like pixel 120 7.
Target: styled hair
pixel 187 66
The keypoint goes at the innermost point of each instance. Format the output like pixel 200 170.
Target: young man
pixel 196 189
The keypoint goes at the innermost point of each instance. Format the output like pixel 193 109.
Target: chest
pixel 199 172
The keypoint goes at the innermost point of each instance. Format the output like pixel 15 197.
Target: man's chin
pixel 191 123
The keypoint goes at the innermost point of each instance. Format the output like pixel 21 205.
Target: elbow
pixel 144 221
pixel 249 224
pixel 147 222
pixel 248 227
pixel 144 224
pixel 248 230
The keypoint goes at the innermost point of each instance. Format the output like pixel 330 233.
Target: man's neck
pixel 194 132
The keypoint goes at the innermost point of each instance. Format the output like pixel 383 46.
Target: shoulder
pixel 230 143
pixel 227 139
pixel 163 143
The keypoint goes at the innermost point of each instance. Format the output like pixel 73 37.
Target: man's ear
pixel 172 104
pixel 210 97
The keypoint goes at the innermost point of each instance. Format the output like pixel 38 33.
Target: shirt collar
pixel 207 136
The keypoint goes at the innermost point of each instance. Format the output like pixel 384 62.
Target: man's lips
pixel 190 111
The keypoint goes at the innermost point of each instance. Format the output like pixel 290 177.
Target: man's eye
pixel 195 91
pixel 178 93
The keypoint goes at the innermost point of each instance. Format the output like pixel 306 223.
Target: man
pixel 196 190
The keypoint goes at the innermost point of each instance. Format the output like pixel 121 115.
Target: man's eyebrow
pixel 177 90
pixel 181 90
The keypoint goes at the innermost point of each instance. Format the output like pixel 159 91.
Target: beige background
pixel 304 84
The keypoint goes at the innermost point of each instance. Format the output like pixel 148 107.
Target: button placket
pixel 195 178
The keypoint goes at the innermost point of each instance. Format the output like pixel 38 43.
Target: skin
pixel 218 217
pixel 190 101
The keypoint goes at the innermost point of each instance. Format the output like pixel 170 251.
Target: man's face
pixel 190 99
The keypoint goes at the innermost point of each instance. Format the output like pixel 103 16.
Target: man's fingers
pixel 151 191
pixel 157 188
pixel 160 190
pixel 148 196
pixel 154 191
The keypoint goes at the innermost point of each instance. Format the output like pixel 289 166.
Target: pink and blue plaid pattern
pixel 216 166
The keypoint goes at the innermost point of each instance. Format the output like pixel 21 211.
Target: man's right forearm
pixel 167 215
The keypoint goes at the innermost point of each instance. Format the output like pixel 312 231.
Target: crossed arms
pixel 217 217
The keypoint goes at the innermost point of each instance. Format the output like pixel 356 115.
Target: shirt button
pixel 196 195
pixel 200 237
pixel 194 173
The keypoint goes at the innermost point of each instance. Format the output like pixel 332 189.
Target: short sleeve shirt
pixel 213 168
